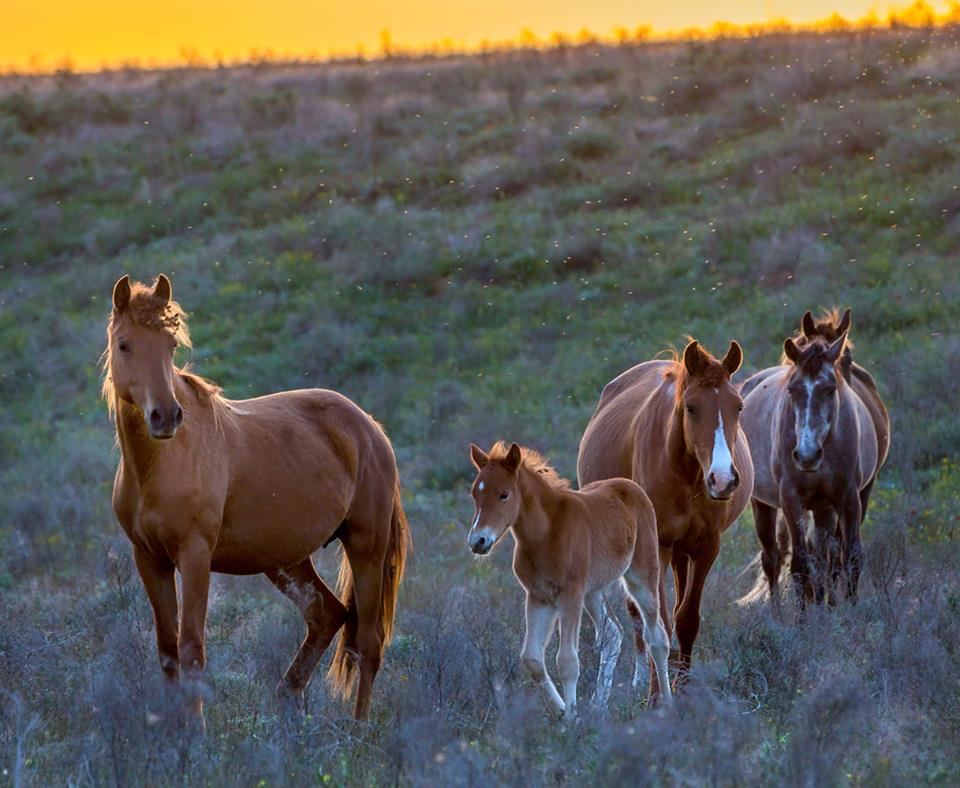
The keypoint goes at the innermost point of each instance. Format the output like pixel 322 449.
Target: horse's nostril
pixel 155 418
pixel 819 454
pixel 736 478
pixel 796 455
pixel 178 418
pixel 711 479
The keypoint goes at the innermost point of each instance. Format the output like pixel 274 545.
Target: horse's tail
pixel 342 672
pixel 761 588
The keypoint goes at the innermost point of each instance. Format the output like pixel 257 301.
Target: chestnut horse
pixel 571 546
pixel 819 433
pixel 207 484
pixel 672 426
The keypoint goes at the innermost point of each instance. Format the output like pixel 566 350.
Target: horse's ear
pixel 478 456
pixel 844 326
pixel 836 347
pixel 734 358
pixel 790 350
pixel 512 460
pixel 162 289
pixel 121 293
pixel 808 326
pixel 692 357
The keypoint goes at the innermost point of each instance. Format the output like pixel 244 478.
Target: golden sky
pixel 40 34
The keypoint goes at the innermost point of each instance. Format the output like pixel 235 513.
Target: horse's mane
pixel 147 310
pixel 827 327
pixel 813 355
pixel 534 462
pixel 713 374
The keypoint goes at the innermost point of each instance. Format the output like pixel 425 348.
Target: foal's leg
pixel 765 522
pixel 158 580
pixel 323 613
pixel 541 620
pixel 568 661
pixel 665 557
pixel 609 639
pixel 642 587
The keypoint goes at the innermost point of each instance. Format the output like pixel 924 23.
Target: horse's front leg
pixel 541 620
pixel 688 616
pixel 568 660
pixel 193 561
pixel 157 576
pixel 852 549
pixel 796 516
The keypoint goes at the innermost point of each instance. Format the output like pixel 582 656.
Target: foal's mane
pixel 147 310
pixel 534 462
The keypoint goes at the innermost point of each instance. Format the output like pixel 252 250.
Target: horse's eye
pixel 739 408
pixel 691 410
pixel 123 346
pixel 504 496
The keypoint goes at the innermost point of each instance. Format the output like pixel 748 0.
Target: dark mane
pixel 533 461
pixel 813 356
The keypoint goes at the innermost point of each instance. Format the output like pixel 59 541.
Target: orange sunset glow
pixel 110 33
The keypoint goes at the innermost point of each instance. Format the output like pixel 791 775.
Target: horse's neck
pixel 538 503
pixel 141 452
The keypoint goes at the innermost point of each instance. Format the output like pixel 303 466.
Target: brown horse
pixel 673 427
pixel 571 546
pixel 207 484
pixel 817 447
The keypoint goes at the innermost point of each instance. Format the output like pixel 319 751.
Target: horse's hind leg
pixel 609 639
pixel 323 613
pixel 765 522
pixel 642 588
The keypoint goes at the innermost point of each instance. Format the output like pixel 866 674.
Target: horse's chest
pixel 543 583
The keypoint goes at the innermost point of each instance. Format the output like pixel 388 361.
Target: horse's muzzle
pixel 480 544
pixel 720 491
pixel 163 422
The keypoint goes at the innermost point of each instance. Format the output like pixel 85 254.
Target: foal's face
pixel 812 388
pixel 141 364
pixel 496 497
pixel 711 417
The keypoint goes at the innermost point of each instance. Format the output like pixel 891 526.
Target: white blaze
pixel 721 462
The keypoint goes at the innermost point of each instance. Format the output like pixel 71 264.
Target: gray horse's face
pixel 812 388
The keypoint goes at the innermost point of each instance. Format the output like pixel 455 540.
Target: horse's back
pixel 868 450
pixel 761 405
pixel 606 449
pixel 865 386
pixel 301 463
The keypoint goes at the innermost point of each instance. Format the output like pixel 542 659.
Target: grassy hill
pixel 471 248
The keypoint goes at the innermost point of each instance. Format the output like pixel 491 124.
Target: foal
pixel 571 545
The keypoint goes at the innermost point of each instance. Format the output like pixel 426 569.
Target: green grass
pixel 471 248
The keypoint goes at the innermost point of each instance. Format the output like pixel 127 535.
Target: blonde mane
pixel 534 462
pixel 148 311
